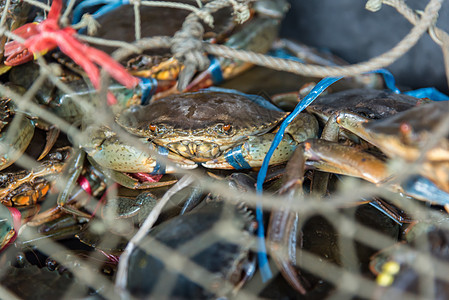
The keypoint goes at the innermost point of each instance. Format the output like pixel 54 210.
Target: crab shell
pixel 369 103
pixel 200 126
pixel 223 260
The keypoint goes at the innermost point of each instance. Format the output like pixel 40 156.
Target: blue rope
pixel 282 53
pixel 235 158
pixel 109 5
pixel 215 70
pixel 160 167
pixel 148 87
pixel 430 92
pixel 390 82
pixel 262 253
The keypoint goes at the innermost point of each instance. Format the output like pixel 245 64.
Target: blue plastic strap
pixel 235 158
pixel 316 91
pixel 390 82
pixel 215 70
pixel 108 7
pixel 148 86
pixel 430 92
pixel 78 11
pixel 281 53
pixel 160 167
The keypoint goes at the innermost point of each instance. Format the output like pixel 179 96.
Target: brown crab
pixel 221 130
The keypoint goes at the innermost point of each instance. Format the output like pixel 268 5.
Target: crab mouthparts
pixel 198 151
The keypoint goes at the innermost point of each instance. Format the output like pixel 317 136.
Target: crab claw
pixel 15 52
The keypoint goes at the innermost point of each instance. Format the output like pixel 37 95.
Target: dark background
pixel 355 34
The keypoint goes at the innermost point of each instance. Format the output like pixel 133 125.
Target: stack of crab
pixel 145 185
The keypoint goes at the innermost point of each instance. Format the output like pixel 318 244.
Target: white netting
pixel 337 271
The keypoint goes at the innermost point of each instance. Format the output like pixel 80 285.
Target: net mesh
pixel 333 236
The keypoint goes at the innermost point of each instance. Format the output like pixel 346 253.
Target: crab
pixel 227 262
pixel 368 103
pixel 340 144
pixel 27 187
pixel 401 136
pixel 47 35
pixel 215 129
pixel 396 267
pixel 17 130
pixel 257 34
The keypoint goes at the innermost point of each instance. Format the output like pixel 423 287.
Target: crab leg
pixel 9 225
pixel 52 136
pixel 282 229
pixel 321 179
pixel 128 181
pixel 119 161
pixel 112 154
pixel 340 159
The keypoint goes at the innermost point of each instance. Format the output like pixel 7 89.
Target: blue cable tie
pixel 215 70
pixel 148 86
pixel 314 93
pixel 390 82
pixel 282 53
pixel 108 7
pixel 78 11
pixel 430 92
pixel 160 168
pixel 235 158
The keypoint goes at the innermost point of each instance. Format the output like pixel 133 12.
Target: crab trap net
pixel 182 149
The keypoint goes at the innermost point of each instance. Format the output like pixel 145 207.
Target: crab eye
pixel 157 129
pixel 223 129
pixel 226 127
